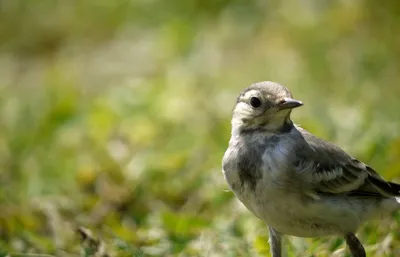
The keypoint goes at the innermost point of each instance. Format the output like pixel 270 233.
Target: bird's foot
pixel 355 246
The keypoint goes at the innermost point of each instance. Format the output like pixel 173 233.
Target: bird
pixel 298 184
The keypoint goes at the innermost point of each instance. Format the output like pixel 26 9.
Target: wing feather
pixel 333 171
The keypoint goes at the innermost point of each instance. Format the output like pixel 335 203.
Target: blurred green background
pixel 115 116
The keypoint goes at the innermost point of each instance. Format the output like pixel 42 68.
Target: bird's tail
pixel 391 204
pixel 386 188
pixel 397 198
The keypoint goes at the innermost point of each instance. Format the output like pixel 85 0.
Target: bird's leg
pixel 275 242
pixel 355 246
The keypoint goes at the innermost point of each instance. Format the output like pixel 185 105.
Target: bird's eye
pixel 255 102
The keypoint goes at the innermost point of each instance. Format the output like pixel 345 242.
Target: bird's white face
pixel 265 105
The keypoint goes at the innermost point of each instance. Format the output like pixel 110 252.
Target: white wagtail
pixel 298 184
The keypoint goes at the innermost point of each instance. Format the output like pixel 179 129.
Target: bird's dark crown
pixel 264 106
pixel 271 90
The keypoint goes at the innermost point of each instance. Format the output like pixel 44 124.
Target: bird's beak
pixel 289 103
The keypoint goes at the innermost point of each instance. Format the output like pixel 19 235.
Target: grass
pixel 115 117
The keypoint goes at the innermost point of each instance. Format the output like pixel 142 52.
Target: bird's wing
pixel 334 171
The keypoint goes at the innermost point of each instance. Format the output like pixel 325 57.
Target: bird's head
pixel 264 106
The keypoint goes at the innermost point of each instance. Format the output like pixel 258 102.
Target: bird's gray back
pixel 335 171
